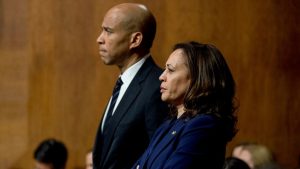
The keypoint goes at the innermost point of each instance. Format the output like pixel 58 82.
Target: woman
pixel 199 87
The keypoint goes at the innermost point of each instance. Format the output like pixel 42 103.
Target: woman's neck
pixel 180 110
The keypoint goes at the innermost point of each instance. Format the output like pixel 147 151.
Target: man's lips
pixel 102 52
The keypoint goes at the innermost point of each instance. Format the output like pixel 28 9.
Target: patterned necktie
pixel 113 100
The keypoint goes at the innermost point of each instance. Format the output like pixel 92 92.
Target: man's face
pixel 39 165
pixel 114 39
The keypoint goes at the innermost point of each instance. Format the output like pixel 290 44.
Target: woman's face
pixel 175 80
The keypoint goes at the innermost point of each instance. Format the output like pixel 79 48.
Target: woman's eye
pixel 170 70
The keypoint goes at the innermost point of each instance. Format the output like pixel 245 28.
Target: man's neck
pixel 131 61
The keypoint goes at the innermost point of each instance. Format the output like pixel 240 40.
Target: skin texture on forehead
pixel 131 15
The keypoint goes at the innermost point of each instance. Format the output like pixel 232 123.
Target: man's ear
pixel 136 39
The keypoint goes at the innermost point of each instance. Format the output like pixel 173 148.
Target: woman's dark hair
pixel 53 152
pixel 235 163
pixel 212 87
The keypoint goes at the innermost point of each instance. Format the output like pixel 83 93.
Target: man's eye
pixel 107 30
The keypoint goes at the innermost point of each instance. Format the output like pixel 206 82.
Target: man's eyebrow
pixel 107 28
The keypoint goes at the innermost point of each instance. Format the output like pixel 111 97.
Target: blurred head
pixel 89 160
pixel 255 155
pixel 127 29
pixel 235 163
pixel 50 154
pixel 198 77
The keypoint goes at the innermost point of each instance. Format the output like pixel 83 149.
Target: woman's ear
pixel 136 39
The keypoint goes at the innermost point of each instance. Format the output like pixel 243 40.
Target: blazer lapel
pixel 164 129
pixel 160 133
pixel 166 140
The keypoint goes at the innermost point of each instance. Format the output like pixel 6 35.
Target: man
pixel 135 109
pixel 51 154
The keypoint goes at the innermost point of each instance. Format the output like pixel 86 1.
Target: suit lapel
pixel 165 140
pixel 129 97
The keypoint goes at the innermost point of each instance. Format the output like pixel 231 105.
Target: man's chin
pixel 103 59
pixel 106 62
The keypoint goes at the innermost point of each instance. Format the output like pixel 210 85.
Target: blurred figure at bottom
pixel 255 155
pixel 51 154
pixel 235 163
pixel 89 159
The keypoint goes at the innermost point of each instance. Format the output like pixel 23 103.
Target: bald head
pixel 136 18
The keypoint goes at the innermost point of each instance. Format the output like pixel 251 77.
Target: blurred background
pixel 53 83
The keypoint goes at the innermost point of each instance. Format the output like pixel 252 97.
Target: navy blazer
pixel 198 143
pixel 137 116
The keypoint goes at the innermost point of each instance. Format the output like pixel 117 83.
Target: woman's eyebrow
pixel 170 66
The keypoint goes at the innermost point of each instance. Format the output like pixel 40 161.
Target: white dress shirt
pixel 126 78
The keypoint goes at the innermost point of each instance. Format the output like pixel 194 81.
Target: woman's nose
pixel 162 76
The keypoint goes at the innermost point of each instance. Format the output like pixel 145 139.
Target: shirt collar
pixel 130 73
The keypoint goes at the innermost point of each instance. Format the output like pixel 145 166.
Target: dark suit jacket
pixel 197 143
pixel 138 115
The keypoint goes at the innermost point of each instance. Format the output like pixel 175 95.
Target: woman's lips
pixel 162 89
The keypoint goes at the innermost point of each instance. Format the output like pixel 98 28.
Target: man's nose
pixel 100 39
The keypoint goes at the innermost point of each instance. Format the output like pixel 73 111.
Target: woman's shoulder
pixel 210 124
pixel 203 120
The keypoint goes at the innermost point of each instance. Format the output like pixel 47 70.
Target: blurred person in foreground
pixel 255 155
pixel 89 160
pixel 51 154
